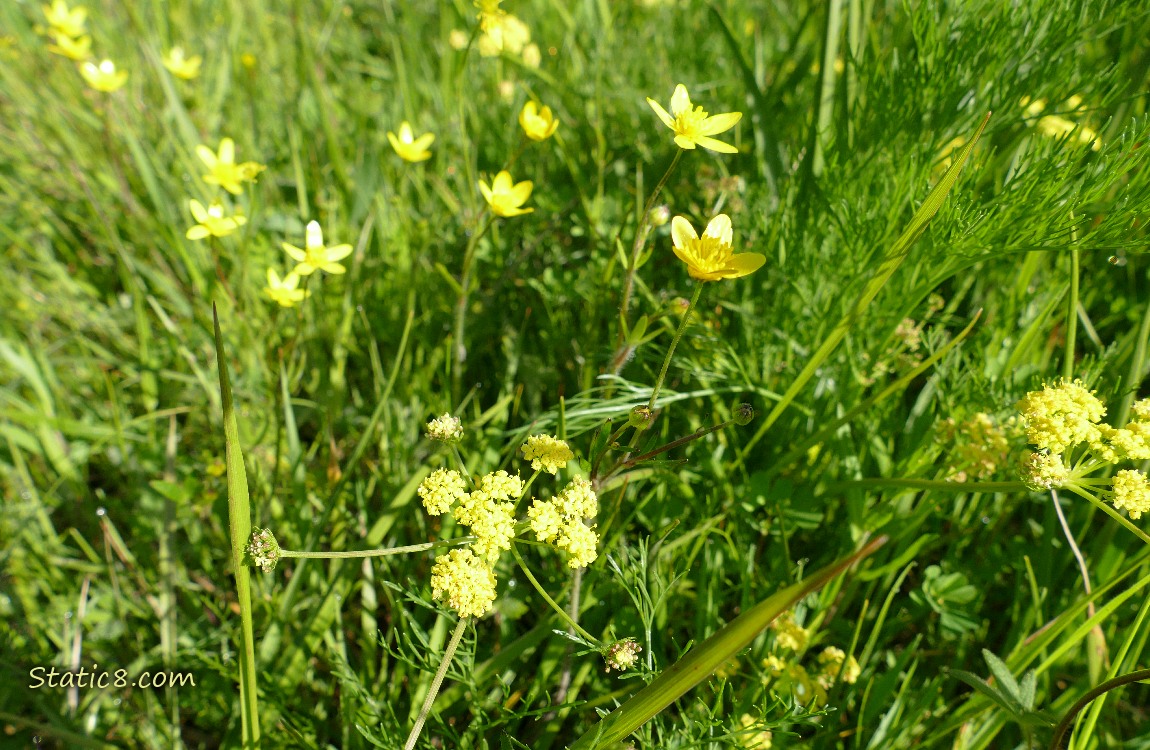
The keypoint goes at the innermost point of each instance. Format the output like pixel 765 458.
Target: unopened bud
pixel 744 413
pixel 659 215
pixel 622 655
pixel 640 418
pixel 445 429
pixel 262 550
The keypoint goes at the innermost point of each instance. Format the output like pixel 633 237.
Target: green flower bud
pixel 744 413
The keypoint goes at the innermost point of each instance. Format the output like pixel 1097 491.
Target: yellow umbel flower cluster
pixel 789 634
pixel 1064 422
pixel 560 522
pixel 546 453
pixel 749 736
pixel 980 445
pixel 832 666
pixel 465 580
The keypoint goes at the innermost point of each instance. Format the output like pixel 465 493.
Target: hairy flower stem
pixel 436 682
pixel 458 347
pixel 551 602
pixel 633 265
pixel 377 552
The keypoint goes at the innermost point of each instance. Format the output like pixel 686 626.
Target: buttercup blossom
pixel 78 49
pixel 317 256
pixel 211 221
pixel 546 453
pixel 1131 492
pixel 408 146
pixel 505 33
pixel 538 124
pixel 490 14
pixel 692 126
pixel 103 77
pixel 223 168
pixel 286 291
pixel 64 20
pixel 181 66
pixel 710 257
pixel 506 197
pixel 465 580
pixel 440 489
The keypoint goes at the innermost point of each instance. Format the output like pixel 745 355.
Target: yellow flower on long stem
pixel 538 124
pixel 103 77
pixel 211 222
pixel 69 22
pixel 710 257
pixel 408 146
pixel 286 291
pixel 317 256
pixel 181 66
pixel 224 170
pixel 692 125
pixel 78 49
pixel 504 197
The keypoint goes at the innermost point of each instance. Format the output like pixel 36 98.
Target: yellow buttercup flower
pixel 181 66
pixel 317 256
pixel 504 197
pixel 211 221
pixel 408 146
pixel 223 168
pixel 286 291
pixel 538 124
pixel 78 49
pixel 103 77
pixel 710 258
pixel 506 33
pixel 489 13
pixel 692 125
pixel 69 22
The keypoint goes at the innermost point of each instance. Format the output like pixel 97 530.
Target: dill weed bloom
pixel 505 197
pixel 409 147
pixel 710 257
pixel 211 222
pixel 441 489
pixel 559 522
pixel 1131 492
pixel 465 580
pixel 445 429
pixel 1061 416
pixel 317 256
pixel 692 125
pixel 546 453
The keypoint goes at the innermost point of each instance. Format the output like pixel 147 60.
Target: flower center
pixel 710 253
pixel 690 122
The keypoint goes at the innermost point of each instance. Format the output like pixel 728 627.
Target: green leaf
pixel 701 661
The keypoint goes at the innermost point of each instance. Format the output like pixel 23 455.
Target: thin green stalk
pixel 1060 731
pixel 936 484
pixel 459 349
pixel 633 263
pixel 1137 367
pixel 551 602
pixel 1071 308
pixel 376 552
pixel 453 644
pixel 827 80
pixel 240 528
pixel 1110 512
pixel 674 343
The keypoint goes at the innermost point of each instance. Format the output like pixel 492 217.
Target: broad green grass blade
pixel 699 663
pixel 240 525
pixel 893 259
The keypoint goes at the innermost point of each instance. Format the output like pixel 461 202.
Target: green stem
pixel 1059 731
pixel 936 484
pixel 1071 308
pixel 461 311
pixel 674 343
pixel 376 552
pixel 551 602
pixel 827 80
pixel 633 264
pixel 1137 365
pixel 436 682
pixel 1110 512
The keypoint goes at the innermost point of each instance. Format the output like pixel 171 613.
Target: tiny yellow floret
pixel 546 453
pixel 1131 492
pixel 710 257
pixel 440 489
pixel 692 125
pixel 317 256
pixel 181 66
pixel 104 76
pixel 465 580
pixel 211 222
pixel 409 147
pixel 506 197
pixel 789 633
pixel 538 124
pixel 286 291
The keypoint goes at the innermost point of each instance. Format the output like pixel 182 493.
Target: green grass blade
pixel 708 656
pixel 240 525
